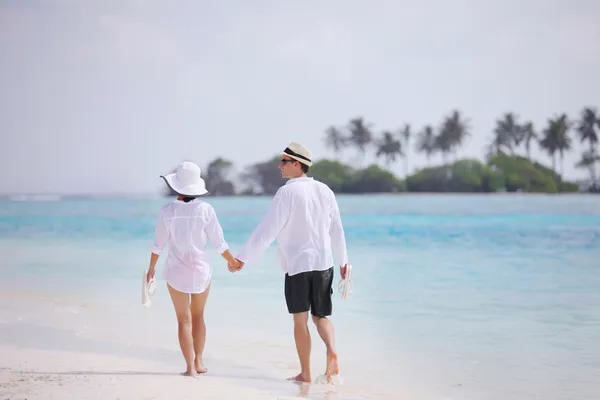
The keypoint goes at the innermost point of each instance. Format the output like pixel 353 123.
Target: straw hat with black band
pixel 298 153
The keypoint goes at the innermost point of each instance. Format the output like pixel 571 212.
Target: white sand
pixel 59 348
pixel 48 374
pixel 30 374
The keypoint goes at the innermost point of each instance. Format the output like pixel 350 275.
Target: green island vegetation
pixel 502 171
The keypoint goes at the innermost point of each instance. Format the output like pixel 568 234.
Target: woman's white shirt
pixel 187 228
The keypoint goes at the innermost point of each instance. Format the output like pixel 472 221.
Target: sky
pixel 103 96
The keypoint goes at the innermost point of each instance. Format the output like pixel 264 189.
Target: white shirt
pixel 305 219
pixel 188 227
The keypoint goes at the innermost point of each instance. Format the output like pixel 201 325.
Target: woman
pixel 188 224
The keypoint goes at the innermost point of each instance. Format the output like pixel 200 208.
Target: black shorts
pixel 310 290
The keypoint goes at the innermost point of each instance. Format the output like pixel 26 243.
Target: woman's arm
pixel 161 234
pixel 152 267
pixel 231 261
pixel 214 232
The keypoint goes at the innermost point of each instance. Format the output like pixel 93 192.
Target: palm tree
pixel 506 134
pixel 360 135
pixel 335 140
pixel 589 160
pixel 587 132
pixel 453 132
pixel 426 142
pixel 587 127
pixel 443 144
pixel 548 143
pixel 389 148
pixel 529 134
pixel 495 146
pixel 564 140
pixel 405 135
pixel 556 139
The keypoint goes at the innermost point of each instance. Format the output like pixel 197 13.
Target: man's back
pixel 304 242
pixel 304 218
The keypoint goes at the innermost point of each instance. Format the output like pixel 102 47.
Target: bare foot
pixel 191 373
pixel 299 378
pixel 200 368
pixel 332 368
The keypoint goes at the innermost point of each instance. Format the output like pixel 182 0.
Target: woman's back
pixel 188 227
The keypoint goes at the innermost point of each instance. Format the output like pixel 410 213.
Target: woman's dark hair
pixel 187 199
pixel 304 167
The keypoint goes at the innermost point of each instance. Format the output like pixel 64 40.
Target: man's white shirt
pixel 304 218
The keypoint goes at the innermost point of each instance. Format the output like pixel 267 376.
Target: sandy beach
pixel 45 374
pixel 50 374
pixel 53 347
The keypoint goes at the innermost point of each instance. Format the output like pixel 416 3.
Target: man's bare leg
pixel 326 331
pixel 198 304
pixel 303 344
pixel 184 323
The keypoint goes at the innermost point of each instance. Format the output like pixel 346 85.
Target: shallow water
pixel 456 296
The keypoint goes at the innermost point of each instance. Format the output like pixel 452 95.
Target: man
pixel 305 219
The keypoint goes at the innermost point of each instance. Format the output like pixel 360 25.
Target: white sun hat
pixel 299 153
pixel 186 180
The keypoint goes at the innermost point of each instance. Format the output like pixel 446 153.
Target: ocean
pixel 455 296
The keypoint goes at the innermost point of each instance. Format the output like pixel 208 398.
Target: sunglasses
pixel 283 161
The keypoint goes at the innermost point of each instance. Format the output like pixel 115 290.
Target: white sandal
pixel 346 285
pixel 148 290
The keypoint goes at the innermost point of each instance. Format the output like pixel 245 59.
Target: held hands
pixel 235 266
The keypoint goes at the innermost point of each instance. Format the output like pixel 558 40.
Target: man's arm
pixel 338 238
pixel 268 229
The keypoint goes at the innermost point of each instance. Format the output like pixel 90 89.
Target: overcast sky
pixel 103 96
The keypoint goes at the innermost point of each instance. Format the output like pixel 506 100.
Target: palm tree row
pixel 508 135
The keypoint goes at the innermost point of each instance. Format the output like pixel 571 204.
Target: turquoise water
pixel 456 296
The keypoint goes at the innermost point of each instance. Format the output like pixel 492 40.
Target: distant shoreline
pixel 60 197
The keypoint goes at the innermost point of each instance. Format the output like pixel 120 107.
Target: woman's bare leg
pixel 199 328
pixel 181 302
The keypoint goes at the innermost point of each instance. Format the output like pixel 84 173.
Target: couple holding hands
pixel 305 220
